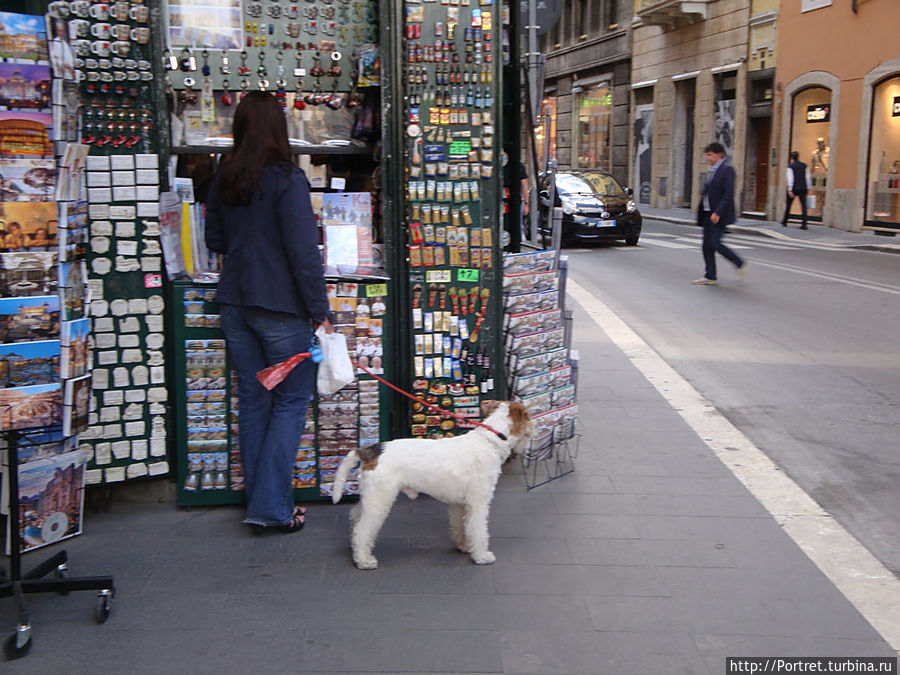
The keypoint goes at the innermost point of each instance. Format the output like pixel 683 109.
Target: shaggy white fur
pixel 460 471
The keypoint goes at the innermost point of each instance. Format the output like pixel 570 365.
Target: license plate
pixel 604 223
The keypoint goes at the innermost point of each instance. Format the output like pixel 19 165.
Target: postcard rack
pixel 39 579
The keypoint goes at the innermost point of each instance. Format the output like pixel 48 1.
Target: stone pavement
pixel 651 558
pixel 867 239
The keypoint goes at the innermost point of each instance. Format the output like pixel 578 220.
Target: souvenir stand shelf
pixel 17 584
pixel 207 436
pixel 443 191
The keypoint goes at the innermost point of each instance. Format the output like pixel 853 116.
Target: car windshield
pixel 587 184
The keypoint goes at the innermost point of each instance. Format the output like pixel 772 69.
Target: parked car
pixel 595 208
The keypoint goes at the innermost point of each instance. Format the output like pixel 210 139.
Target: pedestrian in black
pixel 715 212
pixel 798 182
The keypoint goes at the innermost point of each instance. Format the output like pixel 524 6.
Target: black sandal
pixel 298 520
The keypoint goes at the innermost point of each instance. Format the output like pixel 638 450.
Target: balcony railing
pixel 672 13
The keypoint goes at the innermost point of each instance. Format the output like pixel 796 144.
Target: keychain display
pixel 280 30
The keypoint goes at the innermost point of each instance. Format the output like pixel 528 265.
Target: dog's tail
pixel 340 477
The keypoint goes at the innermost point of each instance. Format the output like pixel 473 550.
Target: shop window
pixel 883 199
pixel 593 127
pixel 810 131
pixel 762 91
pixel 724 112
pixel 545 132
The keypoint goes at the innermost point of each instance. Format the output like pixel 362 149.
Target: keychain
pixel 225 68
pixel 188 62
pixel 226 95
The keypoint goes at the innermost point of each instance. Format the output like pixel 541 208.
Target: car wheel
pixel 632 241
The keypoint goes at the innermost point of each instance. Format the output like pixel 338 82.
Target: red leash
pixel 434 408
pixel 271 376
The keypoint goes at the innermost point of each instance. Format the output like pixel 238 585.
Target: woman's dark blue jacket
pixel 272 259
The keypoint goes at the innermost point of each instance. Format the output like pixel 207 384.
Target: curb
pixel 772 234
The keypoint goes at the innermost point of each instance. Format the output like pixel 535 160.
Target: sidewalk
pixel 817 233
pixel 651 558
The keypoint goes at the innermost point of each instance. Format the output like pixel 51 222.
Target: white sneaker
pixel 743 269
pixel 703 281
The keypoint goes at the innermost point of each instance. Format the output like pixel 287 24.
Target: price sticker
pixel 153 281
pixel 438 276
pixel 467 275
pixel 376 290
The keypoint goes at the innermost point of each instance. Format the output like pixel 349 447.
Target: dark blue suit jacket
pixel 272 258
pixel 721 194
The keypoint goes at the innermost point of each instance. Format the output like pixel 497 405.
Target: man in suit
pixel 715 212
pixel 798 182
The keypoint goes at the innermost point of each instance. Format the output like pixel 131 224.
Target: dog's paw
pixel 367 564
pixel 485 558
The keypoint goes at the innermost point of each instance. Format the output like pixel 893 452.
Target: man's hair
pixel 795 156
pixel 715 146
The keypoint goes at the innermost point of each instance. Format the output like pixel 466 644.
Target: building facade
pixel 838 91
pixel 586 86
pixel 690 85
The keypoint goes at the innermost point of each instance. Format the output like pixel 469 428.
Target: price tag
pixel 438 276
pixel 460 148
pixel 467 275
pixel 376 290
pixel 153 281
pixel 338 183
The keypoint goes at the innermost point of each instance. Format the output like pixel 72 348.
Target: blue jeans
pixel 712 242
pixel 270 422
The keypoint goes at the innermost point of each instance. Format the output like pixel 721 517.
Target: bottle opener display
pixel 451 201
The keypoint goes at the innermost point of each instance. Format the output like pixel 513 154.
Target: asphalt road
pixel 803 356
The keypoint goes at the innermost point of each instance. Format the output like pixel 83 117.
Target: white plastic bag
pixel 335 370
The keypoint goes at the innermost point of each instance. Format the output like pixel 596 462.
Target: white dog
pixel 460 471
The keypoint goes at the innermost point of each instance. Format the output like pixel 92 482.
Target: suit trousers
pixel 801 195
pixel 712 243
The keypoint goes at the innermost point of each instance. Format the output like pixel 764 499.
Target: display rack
pixel 541 367
pixel 207 433
pixel 19 585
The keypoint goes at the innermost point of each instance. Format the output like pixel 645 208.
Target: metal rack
pixel 18 644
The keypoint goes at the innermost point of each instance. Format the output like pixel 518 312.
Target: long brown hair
pixel 260 137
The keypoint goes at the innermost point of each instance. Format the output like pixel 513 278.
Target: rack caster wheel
pixel 102 608
pixel 61 572
pixel 18 644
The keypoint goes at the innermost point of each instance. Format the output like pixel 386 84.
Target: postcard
pixel 73 289
pixel 24 86
pixel 26 273
pixel 51 499
pixel 29 319
pixel 27 180
pixel 27 363
pixel 61 56
pixel 38 405
pixel 27 225
pixel 25 133
pixel 26 36
pixel 75 346
pixel 76 405
pixel 73 231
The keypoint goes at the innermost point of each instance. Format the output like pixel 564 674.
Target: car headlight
pixel 568 208
pixel 631 207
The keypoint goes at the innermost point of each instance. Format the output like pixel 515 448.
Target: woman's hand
pixel 327 325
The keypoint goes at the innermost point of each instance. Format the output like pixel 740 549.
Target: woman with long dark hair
pixel 271 289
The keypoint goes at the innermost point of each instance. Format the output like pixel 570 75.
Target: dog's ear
pixel 519 418
pixel 488 407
